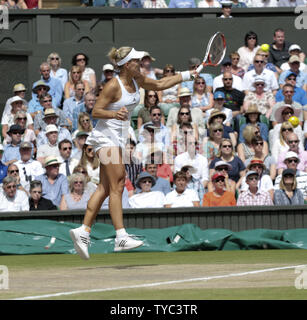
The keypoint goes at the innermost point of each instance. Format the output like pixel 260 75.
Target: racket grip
pixel 198 70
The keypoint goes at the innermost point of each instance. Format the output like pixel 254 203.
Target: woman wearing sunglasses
pixel 248 51
pixel 57 71
pixel 212 143
pixel 202 98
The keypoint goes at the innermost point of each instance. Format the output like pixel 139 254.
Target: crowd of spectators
pixel 222 140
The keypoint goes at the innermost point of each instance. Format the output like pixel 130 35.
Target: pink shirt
pixel 301 165
pixel 31 4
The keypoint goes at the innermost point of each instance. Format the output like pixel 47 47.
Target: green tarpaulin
pixel 47 236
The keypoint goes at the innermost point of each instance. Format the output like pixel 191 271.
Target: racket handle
pixel 198 70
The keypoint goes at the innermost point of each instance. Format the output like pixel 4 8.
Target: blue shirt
pixel 189 84
pixel 299 96
pixel 56 90
pixel 81 108
pixel 62 134
pixel 3 171
pixel 69 106
pixel 301 78
pixel 54 191
pixel 162 185
pixel 130 4
pixel 10 152
pixel 161 135
pixel 182 4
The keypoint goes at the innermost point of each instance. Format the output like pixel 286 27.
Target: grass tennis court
pixel 192 275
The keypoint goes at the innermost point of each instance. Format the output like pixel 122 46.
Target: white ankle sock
pixel 121 233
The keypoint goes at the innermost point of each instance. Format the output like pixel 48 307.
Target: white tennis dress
pixel 113 132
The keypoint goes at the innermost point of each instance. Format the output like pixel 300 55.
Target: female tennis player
pixel 114 107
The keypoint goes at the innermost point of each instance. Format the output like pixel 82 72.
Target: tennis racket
pixel 215 52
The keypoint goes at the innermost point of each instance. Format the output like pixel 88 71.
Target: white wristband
pixel 185 75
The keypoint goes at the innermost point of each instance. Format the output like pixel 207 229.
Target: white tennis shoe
pixel 127 243
pixel 81 240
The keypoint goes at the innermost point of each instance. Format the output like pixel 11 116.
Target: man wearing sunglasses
pixel 11 150
pixel 68 163
pixel 292 161
pixel 260 70
pixel 18 90
pixel 253 196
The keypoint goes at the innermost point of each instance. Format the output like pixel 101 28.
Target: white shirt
pixel 269 78
pixel 47 149
pixel 72 163
pixel 205 4
pixel 199 162
pixel 262 3
pixel 184 199
pixel 285 66
pixel 8 118
pixel 236 82
pixel 19 203
pixel 152 199
pixel 60 74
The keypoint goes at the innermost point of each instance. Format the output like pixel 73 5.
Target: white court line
pixel 155 284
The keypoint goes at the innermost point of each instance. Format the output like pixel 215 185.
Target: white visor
pixel 133 54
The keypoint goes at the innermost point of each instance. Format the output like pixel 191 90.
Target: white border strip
pixel 155 284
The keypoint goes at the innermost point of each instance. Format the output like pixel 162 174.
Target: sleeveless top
pixel 113 132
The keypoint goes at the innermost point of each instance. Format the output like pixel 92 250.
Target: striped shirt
pixel 261 198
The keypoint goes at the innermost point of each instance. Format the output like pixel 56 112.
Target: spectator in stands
pixel 181 196
pixel 182 4
pixel 180 130
pixel 295 50
pixel 280 145
pixel 217 116
pixel 193 64
pixel 279 49
pixel 8 119
pixel 11 150
pixel 18 90
pixel 300 94
pixel 254 196
pixel 252 116
pixel 193 158
pixel 263 3
pixel 146 66
pixel 291 161
pixel 202 98
pixel 88 74
pixel 245 148
pixel 209 4
pixel 227 154
pixel 238 4
pixel 268 161
pixel 282 114
pixel 95 3
pixel 219 102
pixel 51 147
pixel 56 71
pixel 38 90
pixel 12 199
pixel 264 181
pixel 55 184
pixel 90 186
pixel 87 106
pixel 40 123
pixel 20 119
pixel 90 160
pixel 77 197
pixel 126 4
pixel 260 70
pixel 223 167
pixel 151 99
pixel 264 100
pixel 51 118
pixel 28 167
pixel 147 197
pixel 168 97
pixel 73 103
pixel 10 4
pixel 267 65
pixel 68 163
pixel 288 193
pixel 193 183
pixel 291 3
pixel 154 4
pixel 13 171
pixel 55 85
pixel 226 66
pixel 235 69
pixel 210 145
pixel 75 76
pixel 301 76
pixel 84 124
pixel 248 51
pixel 226 9
pixel 288 92
pixel 79 142
pixel 161 132
pixel 107 73
pixel 133 165
pixel 219 197
pixel 36 201
pixel 30 4
pixel 294 145
pixel 161 184
pixel 3 167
